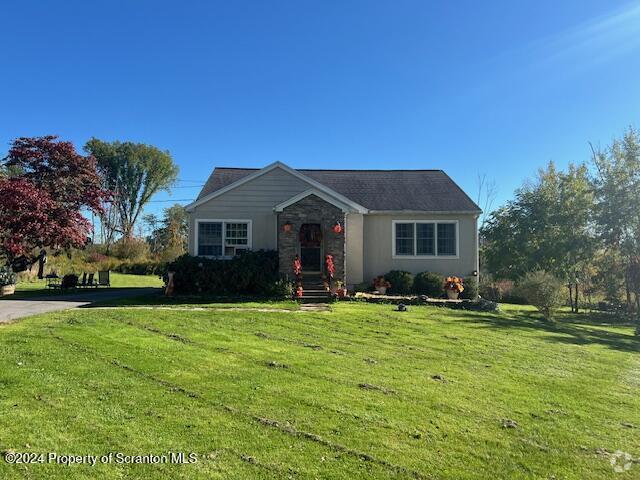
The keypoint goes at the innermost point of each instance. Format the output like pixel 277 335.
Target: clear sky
pixel 470 87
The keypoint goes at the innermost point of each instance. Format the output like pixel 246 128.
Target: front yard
pixel 358 392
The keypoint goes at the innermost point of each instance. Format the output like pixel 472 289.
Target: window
pixel 404 239
pixel 219 238
pixel 424 239
pixel 447 239
pixel 210 239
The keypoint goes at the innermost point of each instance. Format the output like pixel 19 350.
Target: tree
pixel 43 196
pixel 487 192
pixel 548 226
pixel 169 240
pixel 134 172
pixel 542 290
pixel 617 181
pixel 151 221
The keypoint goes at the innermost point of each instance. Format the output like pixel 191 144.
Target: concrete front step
pixel 315 300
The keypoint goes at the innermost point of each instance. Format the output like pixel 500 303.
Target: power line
pixel 172 200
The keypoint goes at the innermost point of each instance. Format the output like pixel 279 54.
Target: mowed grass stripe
pixel 186 372
pixel 166 400
pixel 284 427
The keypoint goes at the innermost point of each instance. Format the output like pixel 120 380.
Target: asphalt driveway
pixel 14 309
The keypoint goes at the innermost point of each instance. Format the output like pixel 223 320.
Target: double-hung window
pixel 425 238
pixel 223 238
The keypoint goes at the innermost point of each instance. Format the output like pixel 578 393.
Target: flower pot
pixel 382 290
pixel 7 290
pixel 453 294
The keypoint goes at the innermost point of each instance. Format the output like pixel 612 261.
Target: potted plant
pixel 454 287
pixel 381 284
pixel 341 290
pixel 7 281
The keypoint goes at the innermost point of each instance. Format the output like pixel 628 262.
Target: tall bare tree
pixel 487 193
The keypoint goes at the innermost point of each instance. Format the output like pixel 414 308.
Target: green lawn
pixel 358 392
pixel 118 280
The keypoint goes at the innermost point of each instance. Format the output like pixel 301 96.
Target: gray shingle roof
pixel 427 190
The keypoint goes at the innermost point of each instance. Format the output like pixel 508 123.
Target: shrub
pixel 401 282
pixel 471 290
pixel 499 291
pixel 428 283
pixel 362 287
pixel 140 268
pixel 251 273
pixel 543 291
pixel 7 277
pixel 134 249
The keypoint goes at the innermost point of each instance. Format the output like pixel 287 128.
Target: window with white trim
pixel 222 238
pixel 425 239
pixel 236 238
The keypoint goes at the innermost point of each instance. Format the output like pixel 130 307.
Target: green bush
pixel 543 291
pixel 471 289
pixel 140 268
pixel 251 273
pixel 363 287
pixel 401 282
pixel 429 283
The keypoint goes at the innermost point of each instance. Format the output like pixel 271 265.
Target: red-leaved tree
pixel 41 205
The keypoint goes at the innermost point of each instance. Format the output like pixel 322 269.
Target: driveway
pixel 14 309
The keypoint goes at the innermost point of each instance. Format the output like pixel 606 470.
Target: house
pixel 370 221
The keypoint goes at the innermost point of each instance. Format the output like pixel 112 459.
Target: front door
pixel 310 247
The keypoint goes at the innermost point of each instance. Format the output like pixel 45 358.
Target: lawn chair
pixel 103 279
pixel 83 282
pixel 68 282
pixel 90 282
pixel 53 281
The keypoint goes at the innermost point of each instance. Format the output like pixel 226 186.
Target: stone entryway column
pixel 309 210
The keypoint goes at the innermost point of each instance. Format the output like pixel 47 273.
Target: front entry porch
pixel 306 228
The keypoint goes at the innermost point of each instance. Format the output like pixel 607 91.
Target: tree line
pixel 582 225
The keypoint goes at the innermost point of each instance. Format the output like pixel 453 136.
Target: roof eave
pixel 429 212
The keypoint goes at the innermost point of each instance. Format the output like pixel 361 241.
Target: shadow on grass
pixel 569 329
pixel 182 300
pixel 82 294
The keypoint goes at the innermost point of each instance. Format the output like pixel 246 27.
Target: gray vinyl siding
pixel 378 256
pixel 254 200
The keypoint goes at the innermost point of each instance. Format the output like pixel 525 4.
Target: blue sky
pixel 470 87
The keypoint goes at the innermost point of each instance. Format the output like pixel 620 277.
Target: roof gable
pixel 219 183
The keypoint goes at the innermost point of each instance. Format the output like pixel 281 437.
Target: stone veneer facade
pixel 312 209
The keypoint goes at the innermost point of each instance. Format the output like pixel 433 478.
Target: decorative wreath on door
pixel 310 235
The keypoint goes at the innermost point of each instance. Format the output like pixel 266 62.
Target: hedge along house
pixel 370 221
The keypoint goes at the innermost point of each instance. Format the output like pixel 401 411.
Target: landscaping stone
pixel 508 423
